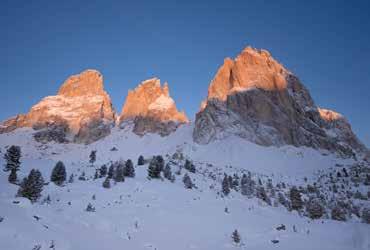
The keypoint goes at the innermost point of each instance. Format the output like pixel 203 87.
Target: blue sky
pixel 325 43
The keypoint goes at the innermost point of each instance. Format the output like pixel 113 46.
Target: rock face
pixel 256 98
pixel 81 112
pixel 151 109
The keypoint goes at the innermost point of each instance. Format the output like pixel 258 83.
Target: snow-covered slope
pixel 158 214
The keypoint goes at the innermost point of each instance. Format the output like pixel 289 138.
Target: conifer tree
pixel 71 178
pixel 92 157
pixel 119 175
pixel 189 166
pixel 106 183
pixel 295 199
pixel 12 176
pixel 140 161
pixel 236 237
pixel 31 186
pixel 111 171
pixel 103 171
pixel 59 174
pixel 12 158
pixel 225 185
pixel 129 170
pixel 155 167
pixel 167 173
pixel 187 182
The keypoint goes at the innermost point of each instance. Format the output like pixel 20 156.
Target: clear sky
pixel 325 43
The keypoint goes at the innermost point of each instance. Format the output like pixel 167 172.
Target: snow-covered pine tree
pixel 71 178
pixel 59 174
pixel 31 186
pixel 12 158
pixel 236 237
pixel 189 166
pixel 187 182
pixel 12 176
pixel 90 208
pixel 111 171
pixel 141 160
pixel 225 185
pixel 155 168
pixel 106 183
pixel 129 169
pixel 315 209
pixel 167 173
pixel 103 171
pixel 235 183
pixel 119 175
pixel 96 175
pixel 295 199
pixel 92 157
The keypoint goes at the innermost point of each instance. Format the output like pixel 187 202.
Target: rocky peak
pixel 251 69
pixel 81 111
pixel 152 108
pixel 89 82
pixel 254 97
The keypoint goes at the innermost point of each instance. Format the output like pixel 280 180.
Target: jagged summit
pixel 81 112
pixel 251 69
pixel 152 109
pixel 256 98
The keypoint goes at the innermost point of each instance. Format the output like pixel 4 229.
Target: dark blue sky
pixel 325 43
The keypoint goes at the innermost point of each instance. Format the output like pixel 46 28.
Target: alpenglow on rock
pixel 151 109
pixel 81 112
pixel 256 98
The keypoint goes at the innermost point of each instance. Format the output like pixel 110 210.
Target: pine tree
pixel 236 237
pixel 59 174
pixel 96 175
pixel 235 182
pixel 187 182
pixel 225 185
pixel 155 168
pixel 140 161
pixel 261 194
pixel 296 199
pixel 160 162
pixel 12 176
pixel 90 208
pixel 111 171
pixel 129 170
pixel 103 171
pixel 31 186
pixel 71 178
pixel 106 183
pixel 92 157
pixel 167 173
pixel 189 166
pixel 315 209
pixel 247 186
pixel 119 175
pixel 12 158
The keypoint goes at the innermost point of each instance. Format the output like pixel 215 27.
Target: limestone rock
pixel 81 110
pixel 256 98
pixel 151 109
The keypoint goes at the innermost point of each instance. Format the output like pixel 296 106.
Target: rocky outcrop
pixel 256 98
pixel 81 112
pixel 151 109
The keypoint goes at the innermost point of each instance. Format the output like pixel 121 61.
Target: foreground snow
pixel 156 214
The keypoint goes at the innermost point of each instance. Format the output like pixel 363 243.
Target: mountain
pixel 151 109
pixel 256 98
pixel 81 112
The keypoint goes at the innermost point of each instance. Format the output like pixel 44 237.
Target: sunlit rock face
pixel 256 98
pixel 151 109
pixel 81 112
